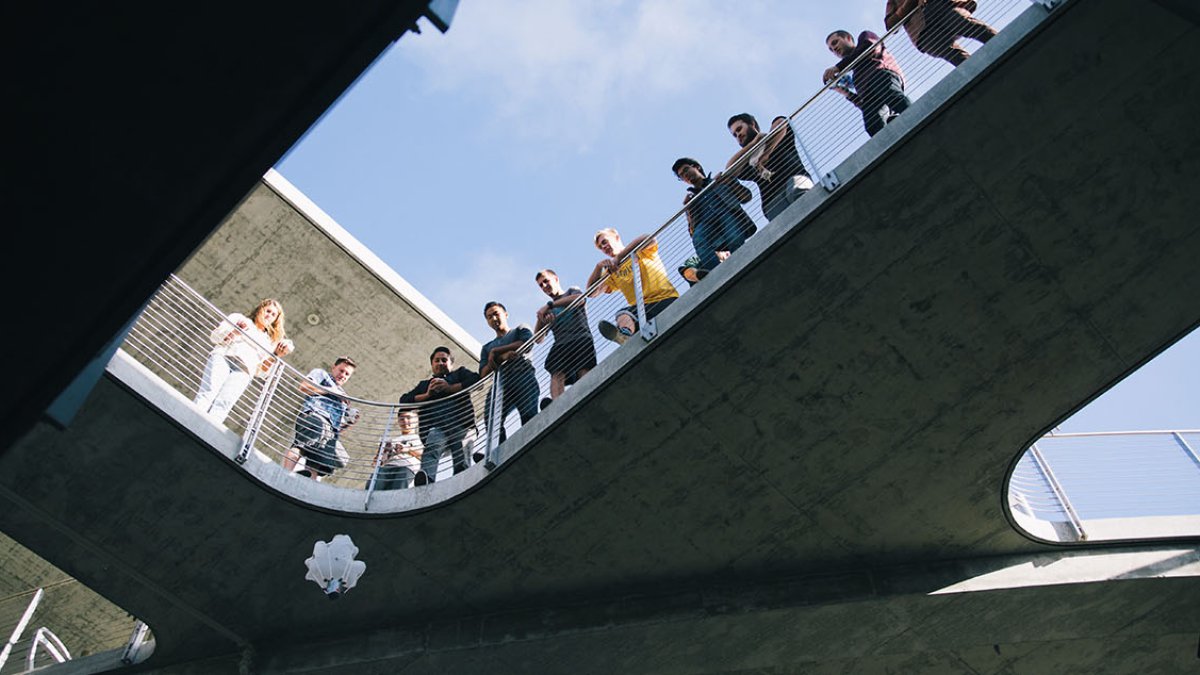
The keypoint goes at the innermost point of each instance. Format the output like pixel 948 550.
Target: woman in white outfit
pixel 240 355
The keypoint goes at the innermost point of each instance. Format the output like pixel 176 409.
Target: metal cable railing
pixel 1081 478
pixel 387 445
pixel 29 644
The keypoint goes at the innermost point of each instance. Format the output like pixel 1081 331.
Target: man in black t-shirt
pixel 770 160
pixel 445 421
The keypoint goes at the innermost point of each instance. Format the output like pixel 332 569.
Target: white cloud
pixel 561 69
pixel 490 275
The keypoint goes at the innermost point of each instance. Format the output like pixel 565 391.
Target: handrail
pixel 1104 475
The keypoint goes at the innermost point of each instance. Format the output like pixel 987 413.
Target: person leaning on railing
pixel 935 25
pixel 878 82
pixel 518 381
pixel 772 162
pixel 718 224
pixel 573 353
pixel 445 420
pixel 401 455
pixel 245 347
pixel 322 419
pixel 617 272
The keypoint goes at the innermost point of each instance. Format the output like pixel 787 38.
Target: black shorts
pixel 317 442
pixel 570 357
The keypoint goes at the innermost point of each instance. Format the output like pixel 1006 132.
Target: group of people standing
pixel 718 224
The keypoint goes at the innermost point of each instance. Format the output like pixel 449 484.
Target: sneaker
pixel 545 403
pixel 618 335
pixel 477 457
pixel 420 479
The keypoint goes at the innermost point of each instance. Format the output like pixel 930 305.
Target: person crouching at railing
pixel 518 381
pixel 936 25
pixel 401 455
pixel 877 82
pixel 245 347
pixel 573 353
pixel 718 224
pixel 773 162
pixel 323 417
pixel 617 271
pixel 444 422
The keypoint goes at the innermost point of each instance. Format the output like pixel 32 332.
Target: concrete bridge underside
pixel 817 442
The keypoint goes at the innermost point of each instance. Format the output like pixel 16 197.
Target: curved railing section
pixel 791 156
pixel 1105 486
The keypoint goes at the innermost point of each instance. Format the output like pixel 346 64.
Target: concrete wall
pixel 85 622
pixel 277 243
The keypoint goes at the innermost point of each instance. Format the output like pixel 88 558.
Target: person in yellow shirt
pixel 617 271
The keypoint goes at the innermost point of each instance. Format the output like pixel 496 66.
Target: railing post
pixel 20 627
pixel 260 411
pixel 387 430
pixel 495 418
pixel 1058 491
pixel 829 180
pixel 646 327
pixel 1191 452
pixel 136 640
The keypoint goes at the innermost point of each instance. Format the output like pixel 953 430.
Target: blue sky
pixel 468 161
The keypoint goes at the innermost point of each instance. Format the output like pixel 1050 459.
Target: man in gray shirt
pixel 517 377
pixel 573 353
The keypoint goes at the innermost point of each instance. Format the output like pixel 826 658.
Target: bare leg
pixel 627 322
pixel 558 384
pixel 290 459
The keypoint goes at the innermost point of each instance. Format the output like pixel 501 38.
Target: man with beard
pixel 878 81
pixel 444 422
pixel 770 160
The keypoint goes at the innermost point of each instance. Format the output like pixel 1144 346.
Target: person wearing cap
pixel 716 221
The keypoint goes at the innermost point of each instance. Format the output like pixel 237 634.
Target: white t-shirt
pixel 401 449
pixel 250 349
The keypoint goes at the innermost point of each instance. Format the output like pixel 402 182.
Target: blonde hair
pixel 609 231
pixel 275 330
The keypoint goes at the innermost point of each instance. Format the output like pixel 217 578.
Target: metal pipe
pixel 1059 493
pixel 260 411
pixel 20 628
pixel 387 429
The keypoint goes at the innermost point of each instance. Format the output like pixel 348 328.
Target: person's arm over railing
pixel 418 394
pixel 774 138
pixel 896 11
pixel 499 355
pixel 741 192
pixel 603 269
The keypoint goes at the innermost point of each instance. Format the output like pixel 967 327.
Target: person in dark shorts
pixel 573 353
pixel 616 269
pixel 323 418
